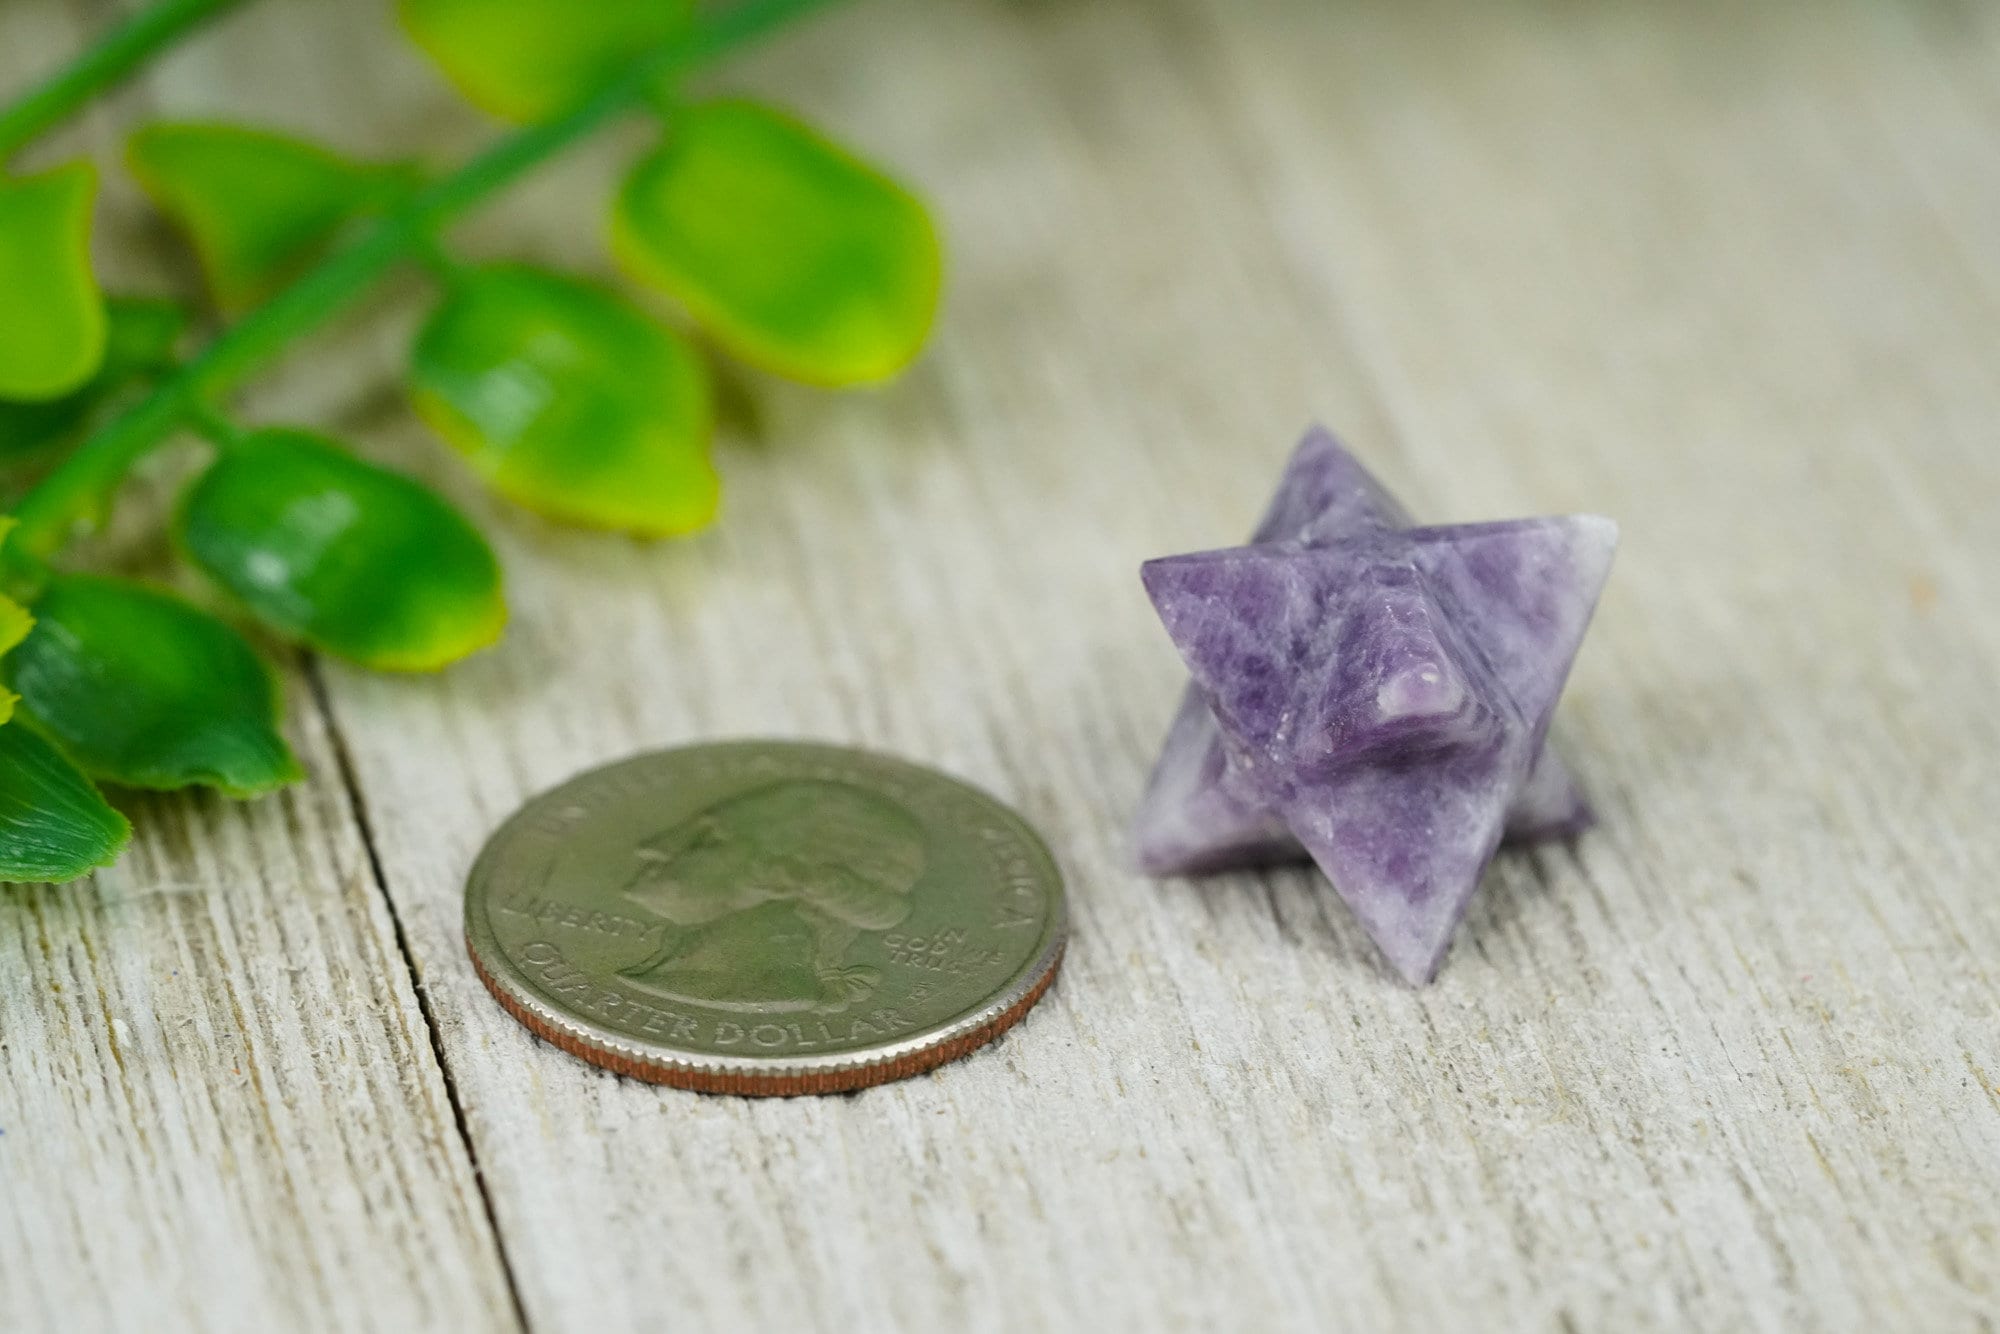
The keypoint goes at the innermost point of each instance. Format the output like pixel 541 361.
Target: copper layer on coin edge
pixel 862 1074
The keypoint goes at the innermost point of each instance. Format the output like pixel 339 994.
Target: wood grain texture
pixel 1731 1061
pixel 219 1106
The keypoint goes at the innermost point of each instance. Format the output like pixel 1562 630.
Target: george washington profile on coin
pixel 764 893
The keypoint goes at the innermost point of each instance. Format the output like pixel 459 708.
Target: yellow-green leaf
pixel 526 59
pixel 140 338
pixel 258 206
pixel 349 557
pixel 569 401
pixel 51 315
pixel 15 622
pixel 796 256
pixel 54 825
pixel 141 688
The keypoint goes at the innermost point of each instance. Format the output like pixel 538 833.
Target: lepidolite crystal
pixel 1374 694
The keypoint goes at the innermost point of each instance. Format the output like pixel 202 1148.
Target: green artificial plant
pixel 564 395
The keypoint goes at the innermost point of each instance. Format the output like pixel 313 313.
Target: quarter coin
pixel 766 917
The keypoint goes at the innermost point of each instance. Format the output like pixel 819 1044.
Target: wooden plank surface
pixel 1731 1061
pixel 219 1105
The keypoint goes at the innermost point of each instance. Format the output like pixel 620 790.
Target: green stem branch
pixel 71 496
pixel 110 58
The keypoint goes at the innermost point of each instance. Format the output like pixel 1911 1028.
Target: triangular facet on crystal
pixel 1405 845
pixel 1191 822
pixel 1525 590
pixel 1325 495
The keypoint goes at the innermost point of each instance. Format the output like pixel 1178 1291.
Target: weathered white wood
pixel 219 1106
pixel 1733 1061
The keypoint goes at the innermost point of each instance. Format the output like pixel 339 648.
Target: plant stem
pixel 107 60
pixel 70 496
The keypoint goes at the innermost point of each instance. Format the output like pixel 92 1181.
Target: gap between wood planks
pixel 357 806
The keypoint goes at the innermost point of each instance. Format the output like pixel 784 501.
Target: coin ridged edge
pixel 844 1077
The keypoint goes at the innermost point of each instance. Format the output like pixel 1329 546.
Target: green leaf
pixel 141 688
pixel 569 401
pixel 797 257
pixel 51 315
pixel 350 558
pixel 54 825
pixel 15 622
pixel 258 206
pixel 524 60
pixel 141 333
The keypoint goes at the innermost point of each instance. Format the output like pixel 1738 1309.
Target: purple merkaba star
pixel 1375 694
